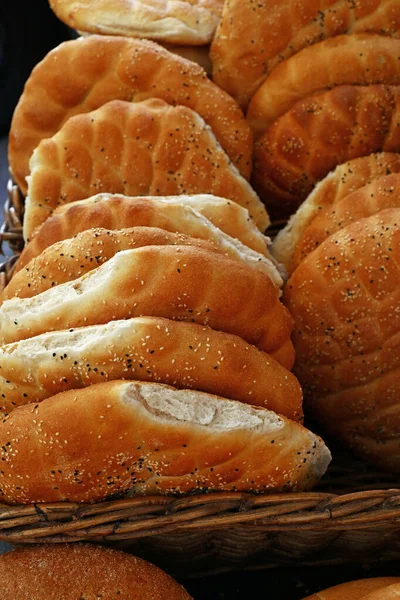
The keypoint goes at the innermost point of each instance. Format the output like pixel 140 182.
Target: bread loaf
pixel 144 438
pixel 356 590
pixel 178 282
pixel 80 75
pixel 71 571
pixel 319 133
pixel 345 179
pixel 358 59
pixel 382 193
pixel 113 211
pixel 184 355
pixel 252 37
pixel 72 258
pixel 143 148
pixel 181 22
pixel 345 297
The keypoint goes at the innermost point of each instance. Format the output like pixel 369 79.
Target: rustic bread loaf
pixel 179 21
pixel 252 37
pixel 173 213
pixel 356 590
pixel 358 59
pixel 184 355
pixel 178 282
pixel 319 133
pixel 80 75
pixel 142 148
pixel 71 571
pixel 382 193
pixel 345 179
pixel 145 438
pixel 344 297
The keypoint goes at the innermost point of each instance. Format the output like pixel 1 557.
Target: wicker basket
pixel 352 516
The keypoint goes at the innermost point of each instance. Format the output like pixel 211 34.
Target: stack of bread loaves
pixel 145 347
pixel 321 85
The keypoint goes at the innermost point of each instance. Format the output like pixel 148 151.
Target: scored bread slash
pixel 141 438
pixel 185 355
pixel 143 148
pixel 81 75
pixel 178 282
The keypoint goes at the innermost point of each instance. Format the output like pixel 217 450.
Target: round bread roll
pixel 361 589
pixel 145 438
pixel 72 258
pixel 172 213
pixel 84 571
pixel 345 297
pixel 179 22
pixel 253 37
pixel 184 355
pixel 382 193
pixel 142 148
pixel 177 282
pixel 80 75
pixel 344 180
pixel 317 134
pixel 358 59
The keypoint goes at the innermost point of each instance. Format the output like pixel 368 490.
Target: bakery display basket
pixel 353 515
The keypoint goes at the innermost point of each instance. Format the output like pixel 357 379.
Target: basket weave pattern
pixel 352 516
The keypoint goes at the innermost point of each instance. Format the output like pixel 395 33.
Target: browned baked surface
pixel 318 134
pixel 344 180
pixel 72 571
pixel 80 75
pixel 179 21
pixel 133 148
pixel 146 438
pixel 252 37
pixel 358 59
pixel 345 298
pixel 184 283
pixel 113 211
pixel 184 355
pixel 355 590
pixel 382 193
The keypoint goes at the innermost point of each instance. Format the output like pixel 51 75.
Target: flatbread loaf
pixel 81 75
pixel 133 148
pixel 144 438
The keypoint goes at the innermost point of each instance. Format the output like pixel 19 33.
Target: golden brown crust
pixel 345 299
pixel 319 133
pixel 382 193
pixel 179 21
pixel 80 75
pixel 354 590
pixel 359 59
pixel 344 180
pixel 177 282
pixel 252 37
pixel 184 355
pixel 144 438
pixel 113 211
pixel 141 148
pixel 71 571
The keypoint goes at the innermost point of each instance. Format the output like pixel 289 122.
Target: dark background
pixel 27 33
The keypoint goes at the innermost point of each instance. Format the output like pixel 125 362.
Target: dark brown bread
pixel 146 438
pixel 83 571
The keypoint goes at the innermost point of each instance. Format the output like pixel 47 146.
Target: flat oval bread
pixel 345 179
pixel 359 59
pixel 176 21
pixel 177 282
pixel 185 355
pixel 345 299
pixel 253 37
pixel 191 215
pixel 142 148
pixel 319 133
pixel 80 75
